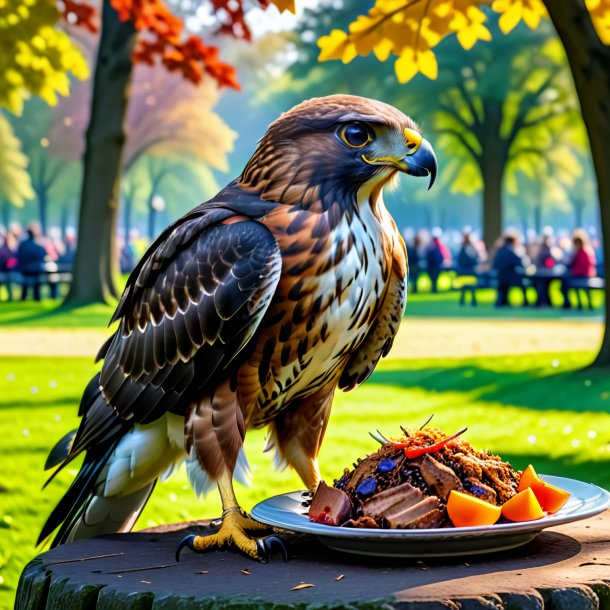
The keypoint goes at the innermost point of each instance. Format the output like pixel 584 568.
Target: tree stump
pixel 565 568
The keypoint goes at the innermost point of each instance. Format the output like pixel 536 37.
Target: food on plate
pixel 465 510
pixel 551 498
pixel 425 479
pixel 523 507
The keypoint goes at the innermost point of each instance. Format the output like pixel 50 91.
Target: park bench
pixel 51 278
pixel 484 281
pixel 585 286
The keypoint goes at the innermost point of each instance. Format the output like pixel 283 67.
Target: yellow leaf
pixel 333 45
pixel 349 52
pixel 285 5
pixel 405 66
pixel 427 64
pixel 509 19
pixel 383 49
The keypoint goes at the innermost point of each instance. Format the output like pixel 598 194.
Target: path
pixel 418 338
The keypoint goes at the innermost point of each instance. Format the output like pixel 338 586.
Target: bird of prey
pixel 249 311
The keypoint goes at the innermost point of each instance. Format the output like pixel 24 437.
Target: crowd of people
pixel 30 253
pixel 511 261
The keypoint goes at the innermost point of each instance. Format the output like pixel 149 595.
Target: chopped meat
pixel 392 500
pixel 439 476
pixel 330 506
pixel 362 523
pixel 432 519
pixel 404 518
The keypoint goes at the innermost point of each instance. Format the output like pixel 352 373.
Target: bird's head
pixel 331 148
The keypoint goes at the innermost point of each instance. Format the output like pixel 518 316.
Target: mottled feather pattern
pixel 194 321
pixel 248 311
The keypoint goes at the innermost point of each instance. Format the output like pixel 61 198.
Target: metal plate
pixel 286 511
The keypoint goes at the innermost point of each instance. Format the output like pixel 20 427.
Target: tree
pixel 178 180
pixel 410 30
pixel 52 154
pixel 510 104
pixel 15 183
pixel 164 41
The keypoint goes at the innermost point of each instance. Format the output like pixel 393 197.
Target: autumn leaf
pixel 285 5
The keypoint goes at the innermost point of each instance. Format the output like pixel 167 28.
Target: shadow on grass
pixel 52 314
pixel 586 390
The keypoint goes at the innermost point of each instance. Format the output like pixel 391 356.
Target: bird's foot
pixel 232 536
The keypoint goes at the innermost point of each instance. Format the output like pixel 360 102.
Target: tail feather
pixel 99 433
pixel 75 500
pixel 61 450
pixel 110 515
pixel 122 464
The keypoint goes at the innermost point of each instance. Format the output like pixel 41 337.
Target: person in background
pixel 437 257
pixel 8 252
pixel 414 247
pixel 580 264
pixel 31 256
pixel 67 258
pixel 508 263
pixel 8 260
pixel 468 257
pixel 547 256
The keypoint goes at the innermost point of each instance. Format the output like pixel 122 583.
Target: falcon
pixel 248 312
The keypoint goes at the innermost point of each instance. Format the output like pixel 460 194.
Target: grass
pixel 536 408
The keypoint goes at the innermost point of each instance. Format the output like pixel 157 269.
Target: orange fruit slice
pixel 551 498
pixel 465 510
pixel 523 506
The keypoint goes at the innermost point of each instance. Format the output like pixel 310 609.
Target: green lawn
pixel 538 408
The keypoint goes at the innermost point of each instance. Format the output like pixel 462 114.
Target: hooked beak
pixel 422 162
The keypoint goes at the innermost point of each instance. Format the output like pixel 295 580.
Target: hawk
pixel 249 311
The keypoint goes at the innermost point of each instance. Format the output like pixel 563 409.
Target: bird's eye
pixel 355 135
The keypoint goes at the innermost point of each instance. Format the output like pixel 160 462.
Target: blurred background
pixel 507 293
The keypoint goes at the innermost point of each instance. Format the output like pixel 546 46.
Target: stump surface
pixel 567 567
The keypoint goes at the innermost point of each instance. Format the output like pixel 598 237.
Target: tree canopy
pixel 411 29
pixel 36 56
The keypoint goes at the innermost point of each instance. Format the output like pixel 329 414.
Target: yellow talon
pixel 232 533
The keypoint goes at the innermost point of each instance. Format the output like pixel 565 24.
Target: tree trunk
pixel 43 202
pixel 589 61
pixel 492 164
pixel 6 214
pixel 579 210
pixel 538 219
pixel 95 262
pixel 64 218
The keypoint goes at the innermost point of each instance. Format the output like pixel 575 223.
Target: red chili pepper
pixel 415 452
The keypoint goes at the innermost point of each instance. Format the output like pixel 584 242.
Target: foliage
pixel 35 55
pixel 15 184
pixel 520 91
pixel 181 182
pixel 411 29
pixel 53 150
pixel 162 37
pixel 170 116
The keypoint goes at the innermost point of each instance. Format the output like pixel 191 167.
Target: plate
pixel 286 511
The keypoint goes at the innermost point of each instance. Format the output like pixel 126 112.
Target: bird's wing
pixel 379 339
pixel 189 308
